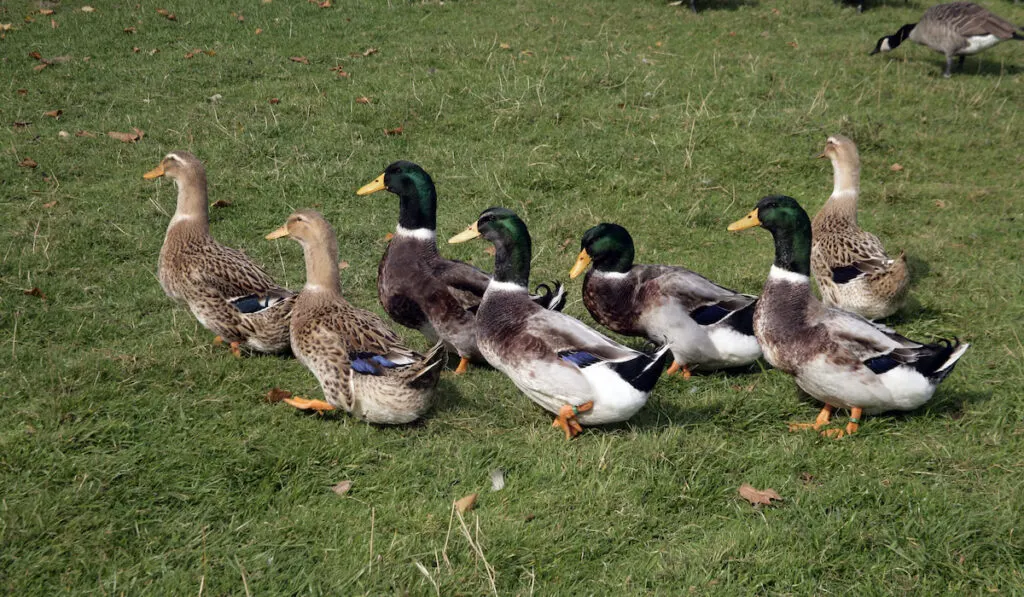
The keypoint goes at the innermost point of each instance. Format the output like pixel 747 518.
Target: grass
pixel 136 458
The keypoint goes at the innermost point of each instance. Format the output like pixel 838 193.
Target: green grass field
pixel 136 458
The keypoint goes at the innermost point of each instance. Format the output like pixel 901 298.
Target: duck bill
pixel 372 187
pixel 581 264
pixel 154 173
pixel 748 221
pixel 279 233
pixel 467 234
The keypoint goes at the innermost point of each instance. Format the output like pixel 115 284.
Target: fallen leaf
pixel 732 34
pixel 490 250
pixel 53 113
pixel 896 168
pixel 35 55
pixel 192 53
pixel 221 203
pixel 23 92
pixel 53 24
pixel 466 504
pixel 84 134
pixel 806 478
pixel 362 100
pixel 343 265
pixel 40 67
pixel 37 293
pixel 28 163
pixel 87 9
pixel 776 11
pixel 300 59
pixel 49 204
pixel 136 49
pixel 757 496
pixel 565 243
pixel 529 517
pixel 127 137
pixel 130 30
pixel 64 134
pixel 274 101
pixel 342 487
pixel 46 11
pixel 170 16
pixel 21 124
pixel 154 51
pixel 792 44
pixel 369 52
pixel 277 394
pixel 505 46
pixel 324 4
pixel 395 131
pixel 939 203
pixel 258 31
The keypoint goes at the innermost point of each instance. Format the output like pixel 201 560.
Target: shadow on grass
pixel 947 403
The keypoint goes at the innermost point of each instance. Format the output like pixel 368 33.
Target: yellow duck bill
pixel 154 173
pixel 372 187
pixel 279 233
pixel 748 221
pixel 582 261
pixel 467 234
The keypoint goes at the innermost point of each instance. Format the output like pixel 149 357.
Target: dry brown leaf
pixel 34 292
pixel 210 52
pixel 221 203
pixel 505 46
pixel 127 137
pixel 324 4
pixel 87 9
pixel 343 265
pixel 939 203
pixel 46 11
pixel 793 44
pixel 130 30
pixel 758 496
pixel 466 504
pixel 53 113
pixel 22 91
pixel 192 54
pixel 490 250
pixel 84 134
pixel 362 100
pixel 395 131
pixel 342 487
pixel 53 24
pixel 277 394
pixel 896 168
pixel 300 59
pixel 49 204
pixel 21 124
pixel 28 163
pixel 154 51
pixel 565 243
pixel 40 67
pixel 35 55
pixel 4 27
pixel 274 101
pixel 136 49
pixel 369 52
pixel 258 31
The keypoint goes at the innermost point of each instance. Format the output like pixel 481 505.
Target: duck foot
pixel 676 366
pixel 823 418
pixel 851 427
pixel 566 418
pixel 463 366
pixel 305 404
pixel 234 346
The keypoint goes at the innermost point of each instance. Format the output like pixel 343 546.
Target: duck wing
pixel 707 303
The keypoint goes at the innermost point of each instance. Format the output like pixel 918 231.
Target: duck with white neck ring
pixel 417 287
pixel 850 264
pixel 569 369
pixel 229 294
pixel 361 364
pixel 839 358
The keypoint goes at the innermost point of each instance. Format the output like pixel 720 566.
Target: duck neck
pixel 793 247
pixel 618 262
pixel 418 208
pixel 512 258
pixel 322 267
pixel 845 188
pixel 192 202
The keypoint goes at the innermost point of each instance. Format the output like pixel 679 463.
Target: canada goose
pixel 954 29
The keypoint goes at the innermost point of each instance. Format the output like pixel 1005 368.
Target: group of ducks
pixel 833 350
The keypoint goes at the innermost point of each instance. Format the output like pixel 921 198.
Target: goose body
pixel 705 325
pixel 362 365
pixel 226 292
pixel 561 364
pixel 850 265
pixel 839 358
pixel 417 287
pixel 954 29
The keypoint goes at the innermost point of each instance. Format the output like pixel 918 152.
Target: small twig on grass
pixel 424 572
pixel 479 551
pixel 373 519
pixel 444 550
pixel 245 582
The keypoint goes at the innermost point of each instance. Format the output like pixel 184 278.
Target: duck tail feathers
pixel 643 371
pixel 943 356
pixel 956 350
pixel 431 361
pixel 552 300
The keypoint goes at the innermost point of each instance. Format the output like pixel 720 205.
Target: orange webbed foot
pixel 463 366
pixel 566 418
pixel 236 349
pixel 823 418
pixel 305 404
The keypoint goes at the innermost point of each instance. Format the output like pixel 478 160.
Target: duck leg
pixel 305 404
pixel 851 427
pixel 463 366
pixel 566 418
pixel 823 418
pixel 676 366
pixel 235 346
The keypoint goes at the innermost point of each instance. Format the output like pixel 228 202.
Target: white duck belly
pixel 901 388
pixel 710 347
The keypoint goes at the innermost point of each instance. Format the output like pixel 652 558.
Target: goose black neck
pixel 901 35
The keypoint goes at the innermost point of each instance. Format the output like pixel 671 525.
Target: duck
pixel 226 291
pixel 705 325
pixel 840 358
pixel 569 369
pixel 417 287
pixel 362 365
pixel 954 29
pixel 850 265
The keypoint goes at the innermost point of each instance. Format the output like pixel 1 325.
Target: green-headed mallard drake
pixel 836 356
pixel 229 294
pixel 850 265
pixel 704 324
pixel 566 367
pixel 422 290
pixel 361 364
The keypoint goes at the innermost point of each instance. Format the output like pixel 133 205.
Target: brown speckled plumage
pixel 328 333
pixel 850 264
pixel 204 274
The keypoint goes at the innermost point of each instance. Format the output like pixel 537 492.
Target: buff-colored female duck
pixel 229 294
pixel 580 375
pixel 417 287
pixel 850 265
pixel 839 358
pixel 705 325
pixel 361 364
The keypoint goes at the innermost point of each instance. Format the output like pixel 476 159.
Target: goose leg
pixel 823 418
pixel 693 6
pixel 566 418
pixel 960 63
pixel 305 404
pixel 463 366
pixel 949 67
